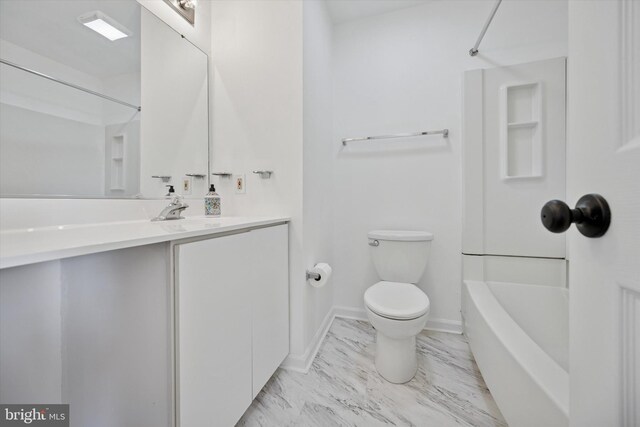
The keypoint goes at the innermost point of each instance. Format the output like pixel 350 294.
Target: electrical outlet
pixel 186 185
pixel 240 184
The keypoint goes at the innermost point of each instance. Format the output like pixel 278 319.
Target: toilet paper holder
pixel 313 275
pixel 319 275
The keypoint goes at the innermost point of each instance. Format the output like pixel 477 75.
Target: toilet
pixel 395 306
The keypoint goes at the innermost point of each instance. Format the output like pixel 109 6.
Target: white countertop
pixel 32 245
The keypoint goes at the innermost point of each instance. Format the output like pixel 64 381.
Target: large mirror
pixel 99 99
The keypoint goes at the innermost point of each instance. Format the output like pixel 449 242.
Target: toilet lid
pixel 397 300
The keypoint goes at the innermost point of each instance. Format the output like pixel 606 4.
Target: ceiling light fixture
pixel 186 9
pixel 104 25
pixel 188 4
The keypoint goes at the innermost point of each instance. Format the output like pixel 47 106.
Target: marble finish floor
pixel 343 388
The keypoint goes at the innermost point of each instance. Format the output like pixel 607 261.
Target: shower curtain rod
pixel 53 79
pixel 474 50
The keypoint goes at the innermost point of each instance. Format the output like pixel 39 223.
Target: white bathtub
pixel 519 336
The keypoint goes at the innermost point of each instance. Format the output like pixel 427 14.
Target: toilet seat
pixel 399 301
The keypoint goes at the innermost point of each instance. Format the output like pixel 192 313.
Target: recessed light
pixel 104 25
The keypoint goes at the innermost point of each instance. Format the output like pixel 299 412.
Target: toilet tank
pixel 400 256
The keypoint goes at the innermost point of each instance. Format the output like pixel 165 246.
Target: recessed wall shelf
pixel 117 169
pixel 521 131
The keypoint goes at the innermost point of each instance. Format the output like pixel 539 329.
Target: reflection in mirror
pixel 57 139
pixel 75 120
pixel 175 97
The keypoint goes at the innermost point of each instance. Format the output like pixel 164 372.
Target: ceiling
pixel 349 10
pixel 51 29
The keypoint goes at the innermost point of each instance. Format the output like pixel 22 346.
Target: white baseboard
pixel 444 325
pixel 350 313
pixel 439 325
pixel 302 362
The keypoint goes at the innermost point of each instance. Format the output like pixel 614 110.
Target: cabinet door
pixel 270 301
pixel 213 291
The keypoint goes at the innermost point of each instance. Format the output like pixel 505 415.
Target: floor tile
pixel 342 388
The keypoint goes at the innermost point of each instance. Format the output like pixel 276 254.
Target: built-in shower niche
pixel 521 131
pixel 117 162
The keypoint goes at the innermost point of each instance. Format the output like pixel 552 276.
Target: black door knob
pixel 591 215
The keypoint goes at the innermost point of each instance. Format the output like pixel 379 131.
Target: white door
pixel 604 157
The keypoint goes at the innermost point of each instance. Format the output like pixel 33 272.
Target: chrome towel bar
pixel 443 132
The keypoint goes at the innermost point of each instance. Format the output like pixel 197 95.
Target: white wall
pixel 260 121
pixel 257 121
pixel 317 157
pixel 402 72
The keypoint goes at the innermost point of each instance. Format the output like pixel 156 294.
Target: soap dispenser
pixel 171 193
pixel 212 203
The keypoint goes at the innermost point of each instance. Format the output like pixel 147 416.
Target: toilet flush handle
pixel 374 243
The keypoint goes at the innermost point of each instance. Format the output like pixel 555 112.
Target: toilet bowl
pixel 395 306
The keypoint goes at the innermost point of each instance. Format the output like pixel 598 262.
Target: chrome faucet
pixel 173 210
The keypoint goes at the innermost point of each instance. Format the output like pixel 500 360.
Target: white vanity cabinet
pixel 232 322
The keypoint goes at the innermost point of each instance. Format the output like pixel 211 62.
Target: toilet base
pixel 396 359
